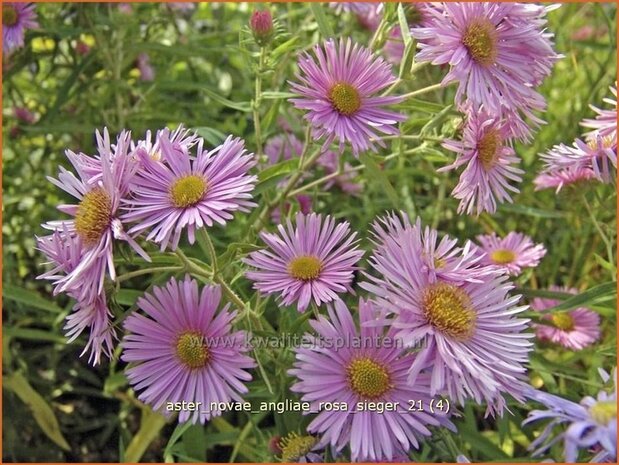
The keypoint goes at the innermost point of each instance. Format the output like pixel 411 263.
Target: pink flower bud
pixel 261 24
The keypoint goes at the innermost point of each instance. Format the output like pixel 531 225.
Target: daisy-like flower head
pixel 605 122
pixel 560 177
pixel 90 311
pixel 596 153
pixel 16 18
pixel 299 448
pixel 181 138
pixel 486 151
pixel 498 53
pixel 351 363
pixel 182 192
pixel 315 259
pixel 511 253
pixel 476 345
pixel 395 237
pixel 185 350
pixel 102 184
pixel 338 89
pixel 575 329
pixel 590 423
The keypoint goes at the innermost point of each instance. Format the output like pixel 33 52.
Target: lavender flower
pixel 511 253
pixel 16 19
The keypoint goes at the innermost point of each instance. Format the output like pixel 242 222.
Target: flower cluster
pixel 591 157
pixel 161 188
pixel 498 53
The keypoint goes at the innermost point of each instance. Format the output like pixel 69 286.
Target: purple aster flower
pixel 185 350
pixel 486 151
pixel 299 448
pixel 181 138
pixel 315 259
pixel 283 147
pixel 511 253
pixel 16 18
pixel 102 184
pixel 303 203
pixel 470 335
pixel 597 153
pixel 362 370
pixel 351 7
pixel 605 122
pixel 147 72
pixel 339 87
pixel 395 237
pixel 592 423
pixel 560 177
pixel 498 53
pixel 182 192
pixel 90 311
pixel 330 161
pixel 574 330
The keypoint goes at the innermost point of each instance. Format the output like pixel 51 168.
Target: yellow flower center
pixel 449 309
pixel 607 142
pixel 9 15
pixel 93 216
pixel 305 267
pixel 563 321
pixel 191 350
pixel 488 148
pixel 603 412
pixel 480 39
pixel 188 190
pixel 344 98
pixel 368 378
pixel 502 256
pixel 294 446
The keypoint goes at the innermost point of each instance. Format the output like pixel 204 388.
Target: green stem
pixel 258 101
pixel 422 91
pixel 211 249
pixel 609 247
pixel 155 269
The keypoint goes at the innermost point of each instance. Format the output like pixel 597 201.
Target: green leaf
pixel 150 426
pixel 404 29
pixel 32 334
pixel 29 298
pixel 530 211
pixel 287 46
pixel 374 172
pixel 211 135
pixel 273 174
pixel 589 298
pixel 41 410
pixel 240 106
pixel 128 297
pixel 323 25
pixel 176 435
pixel 277 95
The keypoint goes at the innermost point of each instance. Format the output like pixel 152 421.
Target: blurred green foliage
pixel 204 63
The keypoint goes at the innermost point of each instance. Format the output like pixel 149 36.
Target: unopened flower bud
pixel 261 24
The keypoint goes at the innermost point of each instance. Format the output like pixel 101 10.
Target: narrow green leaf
pixel 589 298
pixel 176 435
pixel 374 172
pixel 150 426
pixel 33 334
pixel 404 29
pixel 240 106
pixel 30 298
pixel 211 135
pixel 323 25
pixel 41 410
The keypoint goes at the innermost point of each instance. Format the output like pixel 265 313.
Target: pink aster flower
pixel 467 329
pixel 364 370
pixel 486 151
pixel 511 253
pixel 147 72
pixel 330 161
pixel 575 329
pixel 181 138
pixel 498 53
pixel 90 311
pixel 315 259
pixel 561 177
pixel 182 192
pixel 16 18
pixel 605 122
pixel 338 89
pixel 102 184
pixel 597 153
pixel 185 350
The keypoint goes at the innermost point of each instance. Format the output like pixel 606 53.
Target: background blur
pixel 147 66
